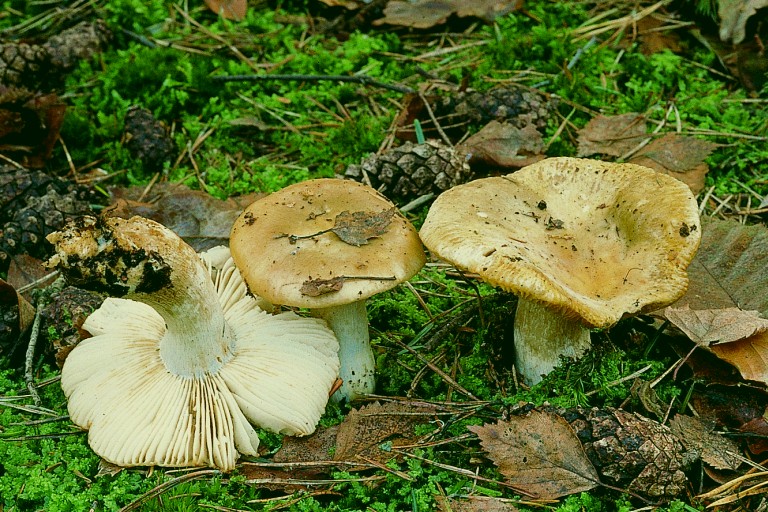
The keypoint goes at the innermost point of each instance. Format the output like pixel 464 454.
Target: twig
pixel 360 79
pixel 434 120
pixel 619 381
pixel 447 378
pixel 574 60
pixel 417 202
pixel 166 486
pixel 28 360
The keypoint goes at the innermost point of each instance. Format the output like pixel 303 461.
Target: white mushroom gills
pixel 179 378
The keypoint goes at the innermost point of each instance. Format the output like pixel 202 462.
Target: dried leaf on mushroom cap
pixel 594 240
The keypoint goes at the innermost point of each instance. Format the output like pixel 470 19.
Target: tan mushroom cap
pixel 276 268
pixel 594 240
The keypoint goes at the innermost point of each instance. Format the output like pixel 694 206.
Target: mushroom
pixel 176 372
pixel 327 245
pixel 581 242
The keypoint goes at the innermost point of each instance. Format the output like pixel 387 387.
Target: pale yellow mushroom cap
pixel 277 267
pixel 594 240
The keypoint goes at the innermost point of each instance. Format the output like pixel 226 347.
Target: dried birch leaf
pixel 680 157
pixel 504 145
pixel 229 9
pixel 538 453
pixel 712 326
pixel 611 135
pixel 474 504
pixel 357 228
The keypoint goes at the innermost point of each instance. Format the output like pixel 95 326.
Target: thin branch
pixel 28 360
pixel 359 79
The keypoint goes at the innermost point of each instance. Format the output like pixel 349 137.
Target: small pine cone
pixel 517 106
pixel 33 205
pixel 632 451
pixel 24 65
pixel 147 139
pixel 63 318
pixel 411 170
pixel 77 43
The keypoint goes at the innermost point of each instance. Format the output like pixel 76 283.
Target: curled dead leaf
pixel 714 326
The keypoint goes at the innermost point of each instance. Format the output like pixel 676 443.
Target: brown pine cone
pixel 24 65
pixel 631 451
pixel 147 139
pixel 32 205
pixel 63 318
pixel 76 43
pixel 511 104
pixel 406 172
pixel 39 67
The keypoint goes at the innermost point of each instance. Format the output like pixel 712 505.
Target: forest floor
pixel 171 111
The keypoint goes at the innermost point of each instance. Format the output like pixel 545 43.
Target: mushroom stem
pixel 147 263
pixel 350 324
pixel 542 337
pixel 198 340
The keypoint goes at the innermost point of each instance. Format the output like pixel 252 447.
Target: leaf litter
pixel 362 438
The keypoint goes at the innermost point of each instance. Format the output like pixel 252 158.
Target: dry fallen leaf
pixel 199 218
pixel 729 268
pixel 611 135
pixel 749 356
pixel 504 145
pixel 698 436
pixel 734 15
pixel 428 13
pixel 317 287
pixel 229 9
pixel 680 157
pixel 15 310
pixel 356 228
pixel 363 431
pixel 714 326
pixel 539 454
pixel 474 504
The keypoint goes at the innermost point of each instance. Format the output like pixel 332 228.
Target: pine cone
pixel 517 106
pixel 65 314
pixel 33 205
pixel 147 139
pixel 24 65
pixel 411 170
pixel 77 43
pixel 40 67
pixel 632 451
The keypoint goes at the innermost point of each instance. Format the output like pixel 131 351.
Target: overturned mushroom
pixel 328 245
pixel 581 242
pixel 175 374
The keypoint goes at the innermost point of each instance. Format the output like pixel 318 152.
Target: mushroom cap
pixel 277 268
pixel 594 240
pixel 140 414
